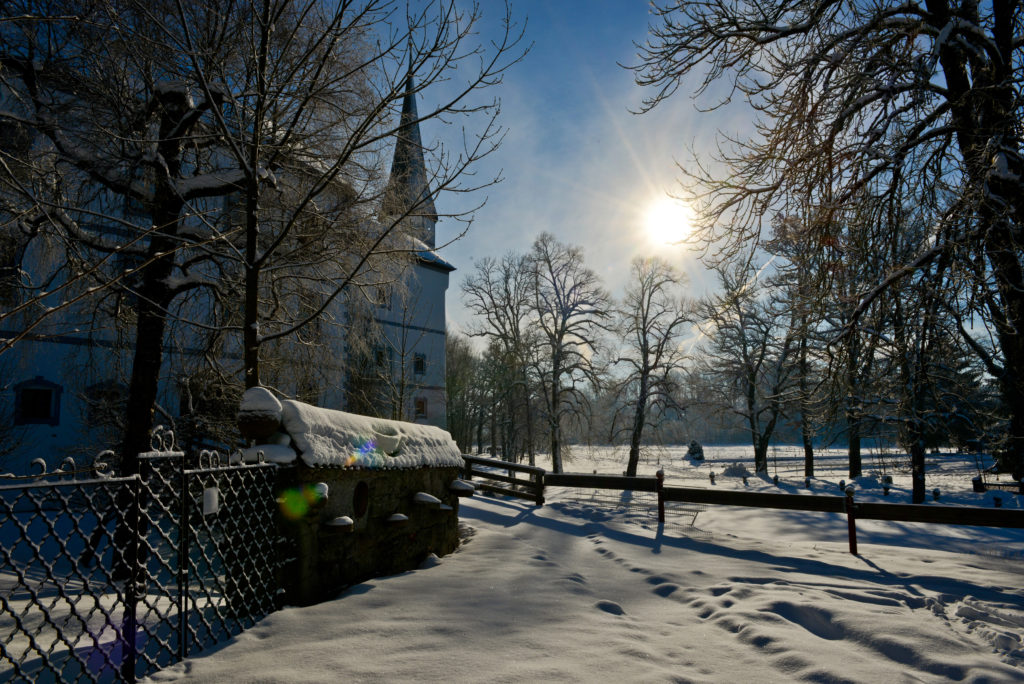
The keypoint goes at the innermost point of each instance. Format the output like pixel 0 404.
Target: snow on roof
pixel 259 400
pixel 324 437
pixel 427 255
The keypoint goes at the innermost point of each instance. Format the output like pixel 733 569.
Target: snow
pixel 341 521
pixel 591 588
pixel 426 499
pixel 325 437
pixel 272 453
pixel 259 400
pixel 461 487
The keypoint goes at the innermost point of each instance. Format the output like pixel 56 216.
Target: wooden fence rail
pixel 531 488
pixel 946 515
pixel 586 481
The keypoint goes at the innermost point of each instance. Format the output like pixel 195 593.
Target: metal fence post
pixel 129 622
pixel 184 529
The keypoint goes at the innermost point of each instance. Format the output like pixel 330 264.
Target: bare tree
pixel 286 106
pixel 652 317
pixel 463 386
pixel 315 101
pixel 750 350
pixel 572 310
pixel 803 285
pixel 500 293
pixel 855 94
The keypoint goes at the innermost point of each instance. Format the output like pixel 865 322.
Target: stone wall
pixel 332 555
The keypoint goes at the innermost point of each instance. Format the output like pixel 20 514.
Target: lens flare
pixel 296 502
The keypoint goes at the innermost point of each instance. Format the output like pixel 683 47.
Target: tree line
pixel 885 175
pixel 767 356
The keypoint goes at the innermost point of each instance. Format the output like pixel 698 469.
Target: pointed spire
pixel 408 188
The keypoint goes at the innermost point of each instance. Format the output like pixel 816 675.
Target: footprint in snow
pixel 610 607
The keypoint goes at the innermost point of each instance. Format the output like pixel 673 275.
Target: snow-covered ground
pixel 590 588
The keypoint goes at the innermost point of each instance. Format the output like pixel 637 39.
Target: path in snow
pixel 570 592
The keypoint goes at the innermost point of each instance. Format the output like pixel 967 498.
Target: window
pixel 383 295
pixel 37 402
pixel 419 364
pixel 105 402
pixel 420 407
pixel 382 357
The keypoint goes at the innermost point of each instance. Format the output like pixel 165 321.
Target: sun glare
pixel 667 221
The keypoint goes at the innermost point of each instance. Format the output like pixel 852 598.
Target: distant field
pixel 950 472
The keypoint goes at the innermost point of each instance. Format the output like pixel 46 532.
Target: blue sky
pixel 575 161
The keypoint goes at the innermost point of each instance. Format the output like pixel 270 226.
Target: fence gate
pixel 106 579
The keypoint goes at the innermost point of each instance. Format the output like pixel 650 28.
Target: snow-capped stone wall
pixel 328 438
pixel 366 496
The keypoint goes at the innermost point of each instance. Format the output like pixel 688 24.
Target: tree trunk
pixel 250 331
pixel 554 420
pixel 917 453
pixel 853 446
pixel 154 297
pixel 761 455
pixel 494 430
pixel 529 427
pixel 805 424
pixel 808 453
pixel 480 432
pixel 1011 384
pixel 639 418
pixel 144 384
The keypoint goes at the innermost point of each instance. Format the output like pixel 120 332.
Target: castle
pixel 67 376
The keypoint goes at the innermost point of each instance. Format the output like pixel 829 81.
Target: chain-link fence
pixel 106 579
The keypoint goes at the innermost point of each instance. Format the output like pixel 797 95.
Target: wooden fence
pixel 530 487
pixel 534 489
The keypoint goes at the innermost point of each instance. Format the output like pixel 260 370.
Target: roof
pixel 408 189
pixel 429 257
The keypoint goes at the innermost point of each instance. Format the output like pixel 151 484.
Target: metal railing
pixel 107 578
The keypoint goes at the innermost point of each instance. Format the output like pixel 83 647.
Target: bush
pixel 736 470
pixel 695 451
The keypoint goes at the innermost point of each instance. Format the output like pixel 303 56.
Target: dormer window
pixel 37 402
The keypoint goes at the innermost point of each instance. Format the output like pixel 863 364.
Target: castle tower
pixel 408 189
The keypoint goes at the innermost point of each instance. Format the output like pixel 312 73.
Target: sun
pixel 668 221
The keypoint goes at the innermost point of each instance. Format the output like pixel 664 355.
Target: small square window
pixel 420 407
pixel 105 401
pixel 37 402
pixel 419 364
